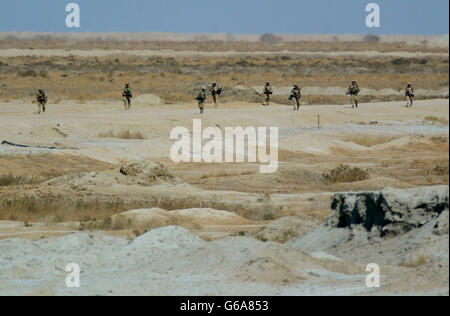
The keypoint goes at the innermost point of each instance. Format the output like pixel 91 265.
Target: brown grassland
pixel 49 42
pixel 176 79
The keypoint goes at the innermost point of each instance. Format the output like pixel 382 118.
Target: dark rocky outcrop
pixel 391 212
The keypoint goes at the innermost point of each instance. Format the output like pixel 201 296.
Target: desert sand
pixel 216 229
pixel 92 184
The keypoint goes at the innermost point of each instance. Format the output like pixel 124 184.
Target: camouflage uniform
pixel 296 95
pixel 267 92
pixel 409 93
pixel 353 91
pixel 215 92
pixel 126 97
pixel 201 100
pixel 41 99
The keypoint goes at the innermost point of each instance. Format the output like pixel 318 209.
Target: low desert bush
pixel 439 120
pixel 370 141
pixel 96 213
pixel 345 173
pixel 124 134
pixel 416 262
pixel 431 167
pixel 441 170
pixel 9 180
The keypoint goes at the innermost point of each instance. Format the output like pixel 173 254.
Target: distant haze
pixel 231 16
pixel 441 41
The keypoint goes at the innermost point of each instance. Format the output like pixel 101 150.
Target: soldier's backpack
pixel 127 93
pixel 409 92
pixel 41 98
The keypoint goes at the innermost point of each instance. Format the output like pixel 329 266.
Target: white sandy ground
pixel 69 125
pixel 172 260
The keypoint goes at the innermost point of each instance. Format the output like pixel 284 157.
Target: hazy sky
pixel 228 16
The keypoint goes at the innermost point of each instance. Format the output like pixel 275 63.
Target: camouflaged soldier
pixel 353 91
pixel 267 92
pixel 41 99
pixel 296 95
pixel 409 93
pixel 201 100
pixel 215 92
pixel 126 96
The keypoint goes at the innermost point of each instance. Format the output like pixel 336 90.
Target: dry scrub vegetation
pixel 427 167
pixel 124 134
pixel 345 173
pixel 370 140
pixel 178 79
pixel 46 166
pixel 415 263
pixel 49 42
pixel 439 120
pixel 58 209
pixel 9 179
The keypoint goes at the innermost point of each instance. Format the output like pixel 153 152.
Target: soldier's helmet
pixel 353 82
pixel 40 90
pixel 214 84
pixel 409 85
pixel 267 83
pixel 127 85
pixel 203 88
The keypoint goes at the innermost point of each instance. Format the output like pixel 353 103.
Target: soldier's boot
pixel 43 108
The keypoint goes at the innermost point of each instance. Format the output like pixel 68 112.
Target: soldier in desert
pixel 201 98
pixel 126 96
pixel 353 91
pixel 41 100
pixel 215 92
pixel 409 93
pixel 267 91
pixel 296 95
